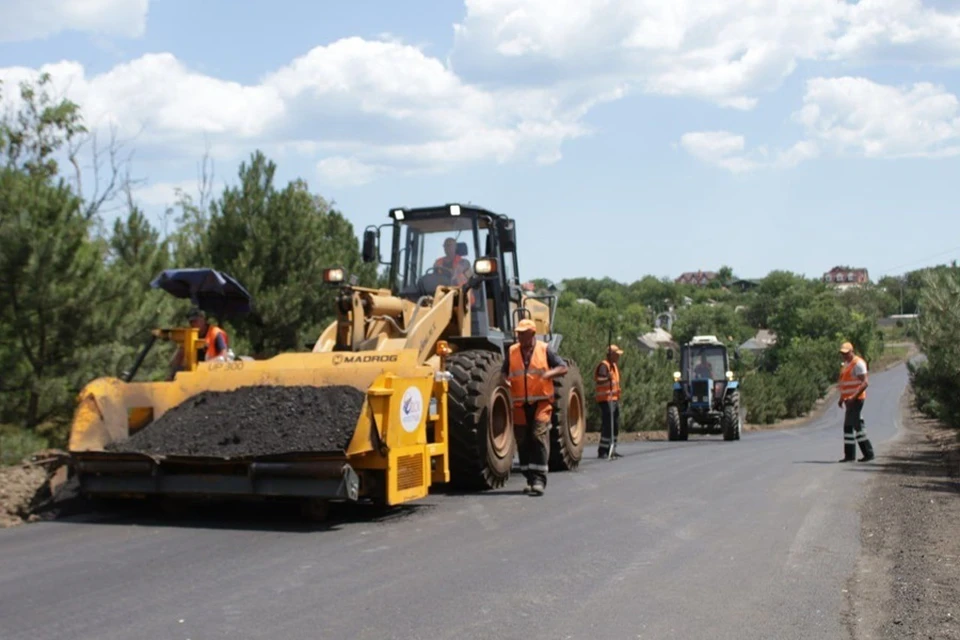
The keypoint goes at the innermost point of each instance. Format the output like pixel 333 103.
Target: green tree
pixel 720 320
pixel 277 243
pixel 52 282
pixel 937 380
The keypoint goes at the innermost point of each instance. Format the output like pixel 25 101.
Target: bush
pixel 17 443
pixel 936 382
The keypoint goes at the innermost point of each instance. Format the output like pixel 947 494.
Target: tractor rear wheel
pixel 482 444
pixel 570 420
pixel 731 418
pixel 673 423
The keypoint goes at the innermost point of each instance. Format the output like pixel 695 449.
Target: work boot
pixel 866 458
pixel 846 460
pixel 537 488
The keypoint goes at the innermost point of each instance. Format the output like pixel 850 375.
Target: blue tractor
pixel 706 397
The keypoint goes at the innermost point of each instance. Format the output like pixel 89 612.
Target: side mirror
pixel 508 237
pixel 371 252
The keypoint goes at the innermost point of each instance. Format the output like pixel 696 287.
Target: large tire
pixel 731 417
pixel 673 423
pixel 482 443
pixel 569 420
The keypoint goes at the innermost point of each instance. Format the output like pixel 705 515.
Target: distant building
pixel 760 342
pixel 846 277
pixel 656 339
pixel 698 278
pixel 745 284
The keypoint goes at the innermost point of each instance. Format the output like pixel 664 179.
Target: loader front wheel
pixel 570 423
pixel 481 421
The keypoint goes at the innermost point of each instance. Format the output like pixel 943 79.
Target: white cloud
pixel 720 148
pixel 851 116
pixel 345 171
pixel 522 76
pixel 367 103
pixel 873 120
pixel 724 52
pixel 163 194
pixel 903 30
pixel 22 20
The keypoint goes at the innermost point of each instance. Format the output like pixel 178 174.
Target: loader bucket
pixel 297 425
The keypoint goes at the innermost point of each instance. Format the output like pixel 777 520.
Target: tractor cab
pixel 706 397
pixel 454 245
pixel 704 369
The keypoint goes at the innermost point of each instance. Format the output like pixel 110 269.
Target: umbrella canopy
pixel 210 290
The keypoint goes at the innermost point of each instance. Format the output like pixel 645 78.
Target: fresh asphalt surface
pixel 699 539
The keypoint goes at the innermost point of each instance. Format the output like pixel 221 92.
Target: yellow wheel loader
pixel 402 391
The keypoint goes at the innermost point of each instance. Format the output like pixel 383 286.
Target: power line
pixel 909 264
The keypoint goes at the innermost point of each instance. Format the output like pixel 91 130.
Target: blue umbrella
pixel 210 290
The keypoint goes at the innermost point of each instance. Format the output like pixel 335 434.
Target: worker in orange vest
pixel 606 378
pixel 216 341
pixel 529 370
pixel 853 391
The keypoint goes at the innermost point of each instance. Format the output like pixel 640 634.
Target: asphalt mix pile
pixel 252 421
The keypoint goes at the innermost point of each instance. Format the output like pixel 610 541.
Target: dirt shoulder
pixel 907 580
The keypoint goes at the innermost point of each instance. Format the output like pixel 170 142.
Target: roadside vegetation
pixel 936 379
pixel 75 300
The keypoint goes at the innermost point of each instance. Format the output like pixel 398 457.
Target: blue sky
pixel 626 137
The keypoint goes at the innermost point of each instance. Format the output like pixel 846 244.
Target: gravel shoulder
pixel 907 580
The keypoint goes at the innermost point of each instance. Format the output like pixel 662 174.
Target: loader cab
pixel 453 245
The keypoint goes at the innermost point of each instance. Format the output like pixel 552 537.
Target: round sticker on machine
pixel 411 409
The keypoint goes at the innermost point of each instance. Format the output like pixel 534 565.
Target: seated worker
pixel 457 266
pixel 216 341
pixel 703 368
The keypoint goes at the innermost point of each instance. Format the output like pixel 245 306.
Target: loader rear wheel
pixel 570 421
pixel 481 421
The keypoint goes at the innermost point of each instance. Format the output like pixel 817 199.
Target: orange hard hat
pixel 525 325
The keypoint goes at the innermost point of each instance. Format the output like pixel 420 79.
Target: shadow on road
pixel 927 467
pixel 280 515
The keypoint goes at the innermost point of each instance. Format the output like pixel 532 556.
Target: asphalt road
pixel 701 539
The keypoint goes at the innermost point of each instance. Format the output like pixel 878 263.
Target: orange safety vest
pixel 608 391
pixel 849 383
pixel 211 340
pixel 527 385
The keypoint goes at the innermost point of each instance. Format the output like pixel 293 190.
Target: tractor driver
pixel 703 368
pixel 216 341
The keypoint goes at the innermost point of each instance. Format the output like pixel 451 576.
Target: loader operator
pixel 853 391
pixel 529 369
pixel 456 266
pixel 216 341
pixel 606 378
